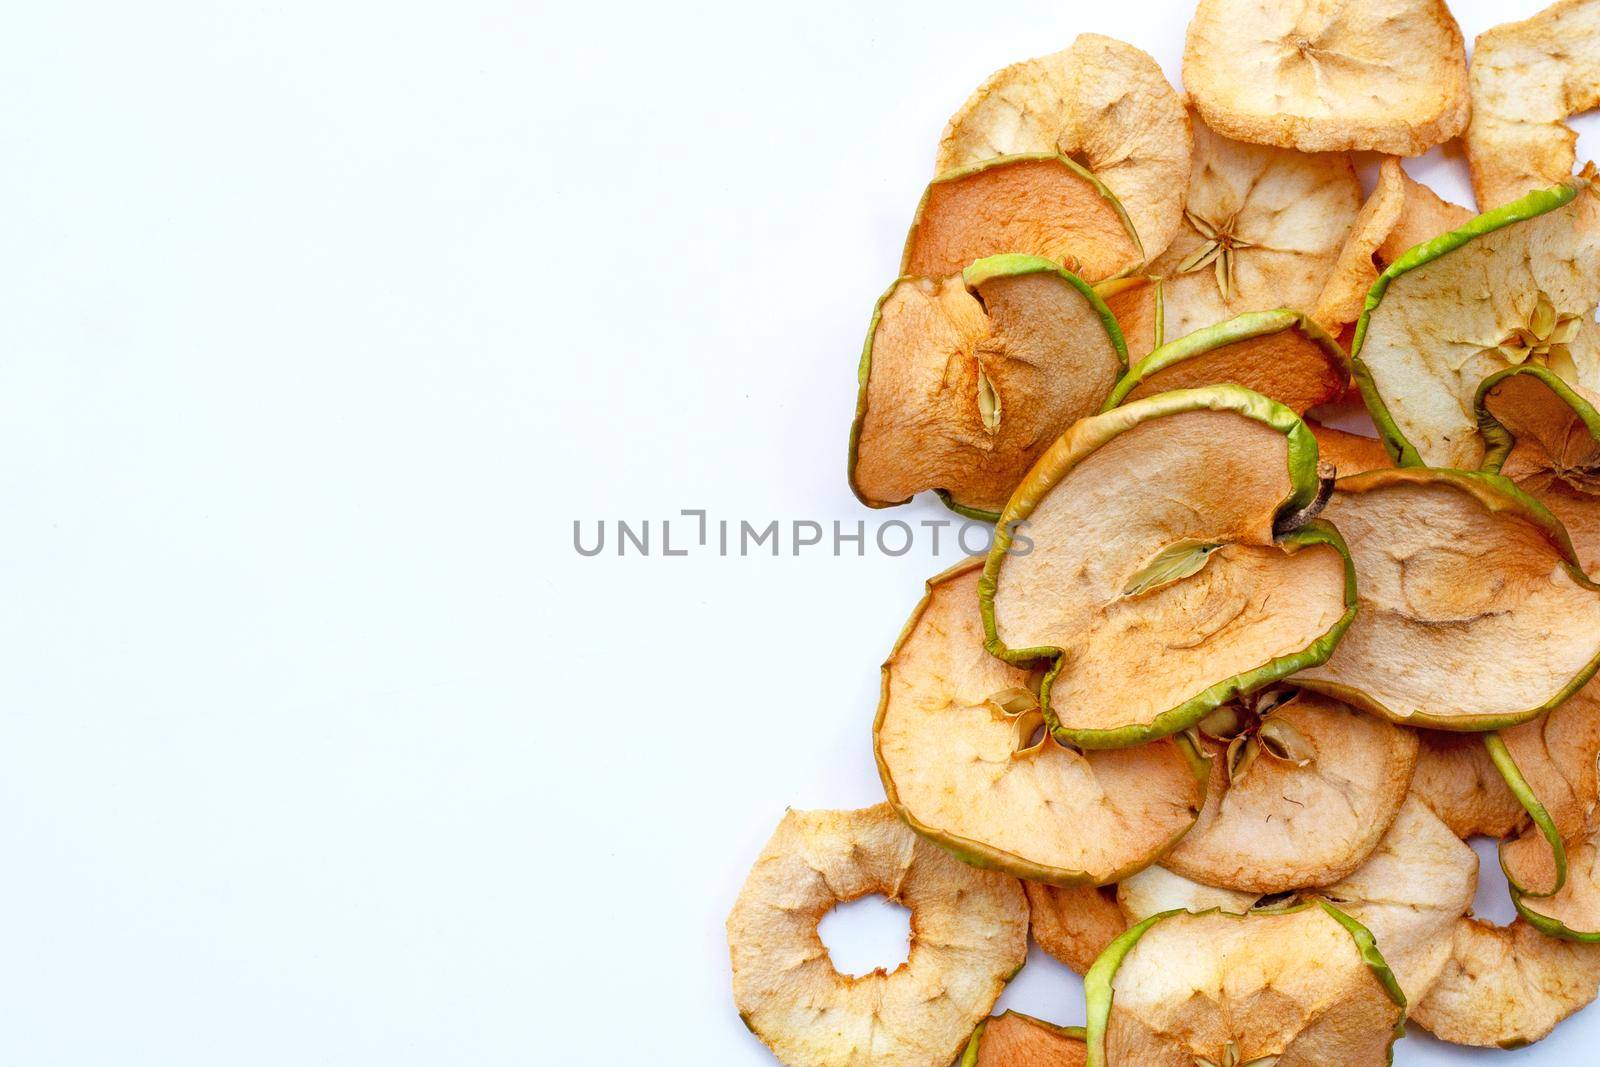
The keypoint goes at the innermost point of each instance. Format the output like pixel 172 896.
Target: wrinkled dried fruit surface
pixel 1280 354
pixel 1319 75
pixel 1044 206
pixel 1512 288
pixel 1217 988
pixel 1460 784
pixel 1282 826
pixel 969 933
pixel 1099 101
pixel 1262 228
pixel 1400 213
pixel 1208 472
pixel 1473 615
pixel 1527 78
pixel 1013 1040
pixel 967 379
pixel 965 757
pixel 1156 889
pixel 1135 302
pixel 1507 986
pixel 1075 923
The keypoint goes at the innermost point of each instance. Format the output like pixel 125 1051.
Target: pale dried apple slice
pixel 1375 75
pixel 1457 780
pixel 1280 354
pixel 1100 101
pixel 1302 788
pixel 969 935
pixel 1075 923
pixel 965 380
pixel 1474 613
pixel 967 762
pixel 1295 987
pixel 1398 214
pixel 1156 890
pixel 1017 1040
pixel 1544 434
pixel 1515 287
pixel 1507 986
pixel 1262 228
pixel 1170 564
pixel 1527 77
pixel 1041 205
pixel 1550 765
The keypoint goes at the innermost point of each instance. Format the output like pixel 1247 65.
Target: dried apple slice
pixel 966 380
pixel 969 935
pixel 1400 213
pixel 1375 75
pixel 1349 453
pixel 1041 205
pixel 1474 613
pixel 1302 788
pixel 1280 354
pixel 1460 784
pixel 1171 566
pixel 1099 101
pixel 1527 78
pixel 1517 286
pixel 1016 1040
pixel 1262 227
pixel 1075 923
pixel 1409 893
pixel 966 760
pixel 1507 986
pixel 1544 435
pixel 1300 986
pixel 1156 890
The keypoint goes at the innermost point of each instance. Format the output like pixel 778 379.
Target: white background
pixel 320 324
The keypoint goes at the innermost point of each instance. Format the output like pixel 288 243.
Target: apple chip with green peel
pixel 1527 77
pixel 1515 287
pixel 965 380
pixel 1100 101
pixel 1544 434
pixel 966 760
pixel 1507 986
pixel 1075 923
pixel 1172 566
pixel 1458 781
pixel 1280 354
pixel 1474 613
pixel 1400 213
pixel 1375 75
pixel 1262 227
pixel 969 935
pixel 1302 987
pixel 1041 205
pixel 1302 788
pixel 1348 453
pixel 1408 892
pixel 1016 1040
pixel 1550 765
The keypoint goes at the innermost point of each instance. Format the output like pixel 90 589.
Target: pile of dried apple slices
pixel 1214 718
